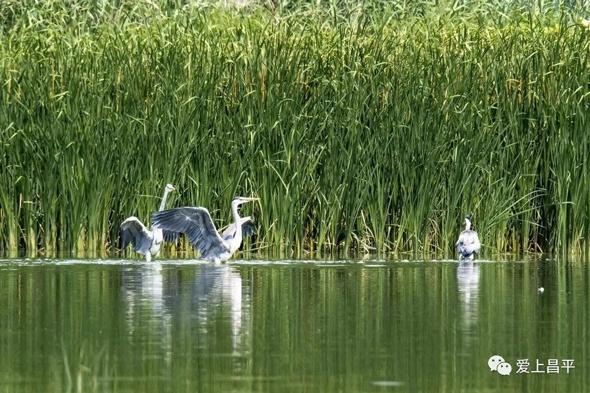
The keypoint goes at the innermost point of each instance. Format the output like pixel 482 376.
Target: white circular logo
pixel 504 368
pixel 494 361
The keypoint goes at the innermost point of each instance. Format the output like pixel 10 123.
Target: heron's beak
pixel 173 188
pixel 246 199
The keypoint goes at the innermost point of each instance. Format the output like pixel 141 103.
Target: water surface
pixel 181 326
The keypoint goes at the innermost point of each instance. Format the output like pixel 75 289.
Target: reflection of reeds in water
pixel 86 373
pixel 305 327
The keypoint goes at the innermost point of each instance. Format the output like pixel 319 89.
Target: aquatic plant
pixel 363 129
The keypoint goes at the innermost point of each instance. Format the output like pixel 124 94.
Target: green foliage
pixel 362 130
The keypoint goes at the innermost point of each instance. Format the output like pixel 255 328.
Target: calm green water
pixel 113 326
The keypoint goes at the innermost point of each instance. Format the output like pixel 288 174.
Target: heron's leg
pixel 148 256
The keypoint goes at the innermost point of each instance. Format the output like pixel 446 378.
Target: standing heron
pixel 198 226
pixel 468 244
pixel 145 241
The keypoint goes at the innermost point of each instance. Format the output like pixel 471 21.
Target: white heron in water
pixel 145 241
pixel 468 244
pixel 197 225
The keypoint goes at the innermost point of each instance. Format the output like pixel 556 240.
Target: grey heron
pixel 468 244
pixel 145 241
pixel 196 223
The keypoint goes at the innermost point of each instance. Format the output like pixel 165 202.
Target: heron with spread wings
pixel 146 241
pixel 197 225
pixel 468 244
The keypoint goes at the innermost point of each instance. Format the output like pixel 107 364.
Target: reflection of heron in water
pixel 468 287
pixel 219 286
pixel 144 293
pixel 214 292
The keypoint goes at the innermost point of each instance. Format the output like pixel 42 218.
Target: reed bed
pixel 363 130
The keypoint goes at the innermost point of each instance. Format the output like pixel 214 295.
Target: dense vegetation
pixel 361 128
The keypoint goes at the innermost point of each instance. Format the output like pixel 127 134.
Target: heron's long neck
pixel 164 197
pixel 467 225
pixel 236 216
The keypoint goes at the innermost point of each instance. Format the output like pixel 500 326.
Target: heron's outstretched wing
pixel 468 243
pixel 134 232
pixel 248 228
pixel 160 235
pixel 170 236
pixel 197 224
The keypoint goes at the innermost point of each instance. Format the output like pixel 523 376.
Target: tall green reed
pixel 361 131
